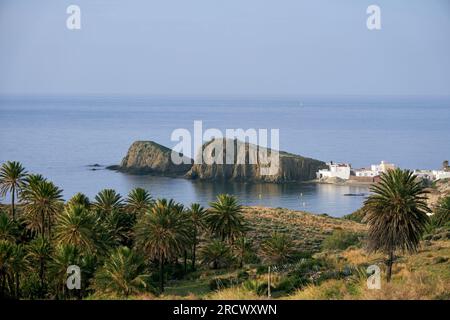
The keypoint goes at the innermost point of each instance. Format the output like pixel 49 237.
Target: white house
pixel 425 174
pixel 432 174
pixel 382 167
pixel 366 173
pixel 375 170
pixel 335 170
pixel 441 174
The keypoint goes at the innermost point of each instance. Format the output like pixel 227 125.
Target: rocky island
pixel 148 157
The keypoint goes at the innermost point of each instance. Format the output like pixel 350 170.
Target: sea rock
pixel 291 167
pixel 148 157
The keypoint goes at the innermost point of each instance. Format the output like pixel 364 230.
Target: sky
pixel 225 47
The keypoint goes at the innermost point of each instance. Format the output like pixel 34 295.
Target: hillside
pixel 307 230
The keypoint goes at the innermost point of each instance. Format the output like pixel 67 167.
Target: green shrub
pixel 441 215
pixel 340 240
pixel 261 269
pixel 298 256
pixel 357 216
pixel 221 283
pixel 291 283
pixel 262 289
pixel 243 275
pixel 251 285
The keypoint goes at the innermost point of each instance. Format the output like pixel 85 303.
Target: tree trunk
pixel 193 257
pixel 161 275
pixel 49 228
pixel 2 285
pixel 41 277
pixel 42 224
pixel 185 261
pixel 11 285
pixel 193 249
pixel 13 208
pixel 390 262
pixel 17 286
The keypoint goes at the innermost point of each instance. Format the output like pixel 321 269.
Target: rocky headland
pixel 148 157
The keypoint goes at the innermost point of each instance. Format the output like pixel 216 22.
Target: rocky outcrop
pixel 290 168
pixel 148 157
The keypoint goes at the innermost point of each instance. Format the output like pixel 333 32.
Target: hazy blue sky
pixel 225 47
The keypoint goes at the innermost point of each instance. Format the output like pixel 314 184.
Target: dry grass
pixel 308 230
pixel 329 290
pixel 234 293
pixel 421 276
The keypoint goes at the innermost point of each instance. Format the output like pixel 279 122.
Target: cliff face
pixel 148 157
pixel 290 168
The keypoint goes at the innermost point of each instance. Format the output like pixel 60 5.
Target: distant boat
pixel 354 194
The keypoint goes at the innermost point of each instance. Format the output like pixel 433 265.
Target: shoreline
pixel 151 173
pixel 346 183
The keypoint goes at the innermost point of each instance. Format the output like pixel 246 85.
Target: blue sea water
pixel 60 136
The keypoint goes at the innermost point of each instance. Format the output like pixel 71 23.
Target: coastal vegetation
pixel 138 247
pixel 396 213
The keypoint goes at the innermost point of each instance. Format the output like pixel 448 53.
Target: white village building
pixel 366 173
pixel 441 174
pixel 335 170
pixel 383 167
pixel 432 174
pixel 375 169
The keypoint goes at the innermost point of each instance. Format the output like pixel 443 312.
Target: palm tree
pixel 278 248
pixel 123 273
pixel 76 226
pixel 216 253
pixel 8 228
pixel 13 264
pixel 42 202
pixel 6 252
pixel 243 248
pixel 32 179
pixel 225 218
pixel 64 256
pixel 197 218
pixel 79 199
pixel 12 175
pixel 39 251
pixel 441 214
pixel 161 234
pixel 396 213
pixel 138 202
pixel 108 200
pixel 88 265
pixel 118 225
pixel 19 265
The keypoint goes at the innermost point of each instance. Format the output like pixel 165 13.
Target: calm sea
pixel 61 136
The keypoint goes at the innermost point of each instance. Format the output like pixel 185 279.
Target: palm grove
pixel 134 245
